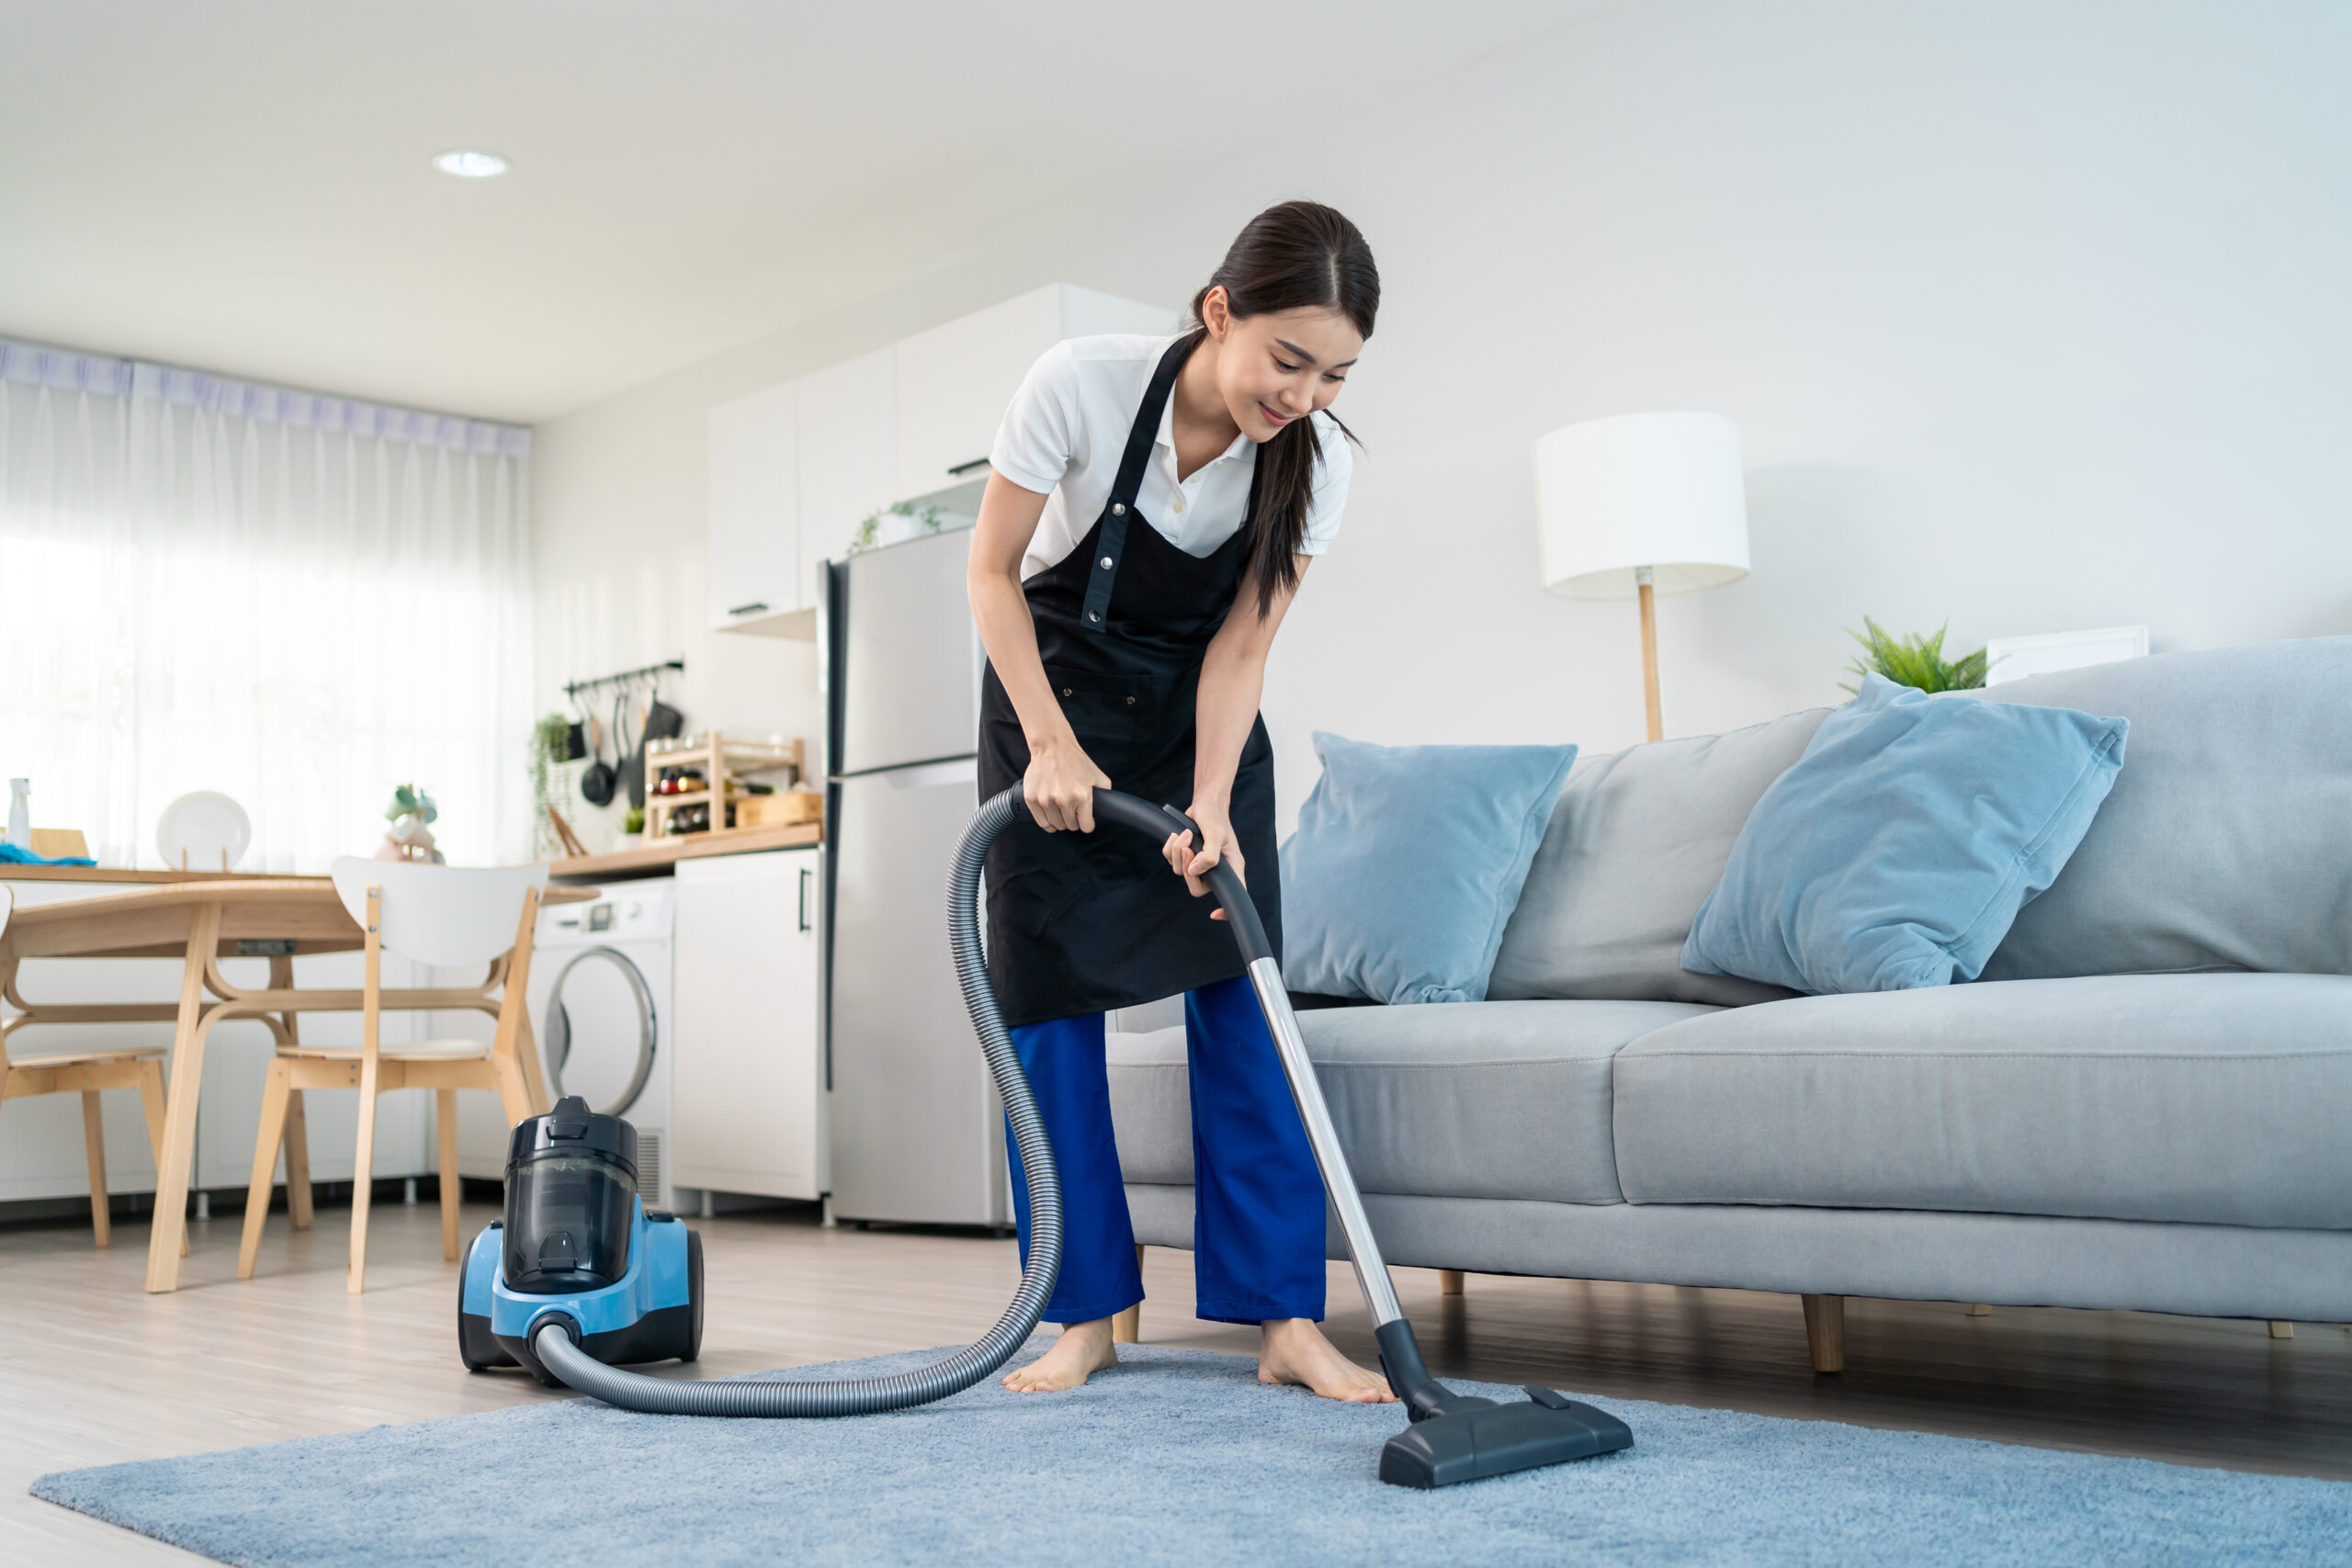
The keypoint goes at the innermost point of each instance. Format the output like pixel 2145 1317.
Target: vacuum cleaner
pixel 580 1276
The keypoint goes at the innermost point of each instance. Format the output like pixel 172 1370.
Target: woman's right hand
pixel 1059 786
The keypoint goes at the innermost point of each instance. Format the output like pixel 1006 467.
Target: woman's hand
pixel 1059 786
pixel 1190 861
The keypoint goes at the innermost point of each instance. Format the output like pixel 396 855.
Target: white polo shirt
pixel 1068 427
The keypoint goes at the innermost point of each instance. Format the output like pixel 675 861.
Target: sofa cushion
pixel 2211 1098
pixel 1635 845
pixel 1897 850
pixel 2222 843
pixel 1407 862
pixel 1476 1099
pixel 1151 1104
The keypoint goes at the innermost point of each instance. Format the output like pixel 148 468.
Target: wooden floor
pixel 93 1370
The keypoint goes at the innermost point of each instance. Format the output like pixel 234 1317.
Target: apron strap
pixel 1111 542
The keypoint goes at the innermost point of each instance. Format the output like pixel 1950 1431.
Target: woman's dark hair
pixel 1295 256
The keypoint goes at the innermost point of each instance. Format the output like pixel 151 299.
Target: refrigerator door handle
pixel 804 899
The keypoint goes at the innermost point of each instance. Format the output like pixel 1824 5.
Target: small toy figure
pixel 409 837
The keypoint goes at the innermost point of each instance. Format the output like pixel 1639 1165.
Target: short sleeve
pixel 1036 445
pixel 1332 472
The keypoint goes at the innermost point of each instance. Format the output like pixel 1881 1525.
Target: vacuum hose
pixel 554 1339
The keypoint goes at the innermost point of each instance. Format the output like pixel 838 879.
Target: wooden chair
pixel 90 1072
pixel 435 915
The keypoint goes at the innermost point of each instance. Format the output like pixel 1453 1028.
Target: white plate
pixel 204 830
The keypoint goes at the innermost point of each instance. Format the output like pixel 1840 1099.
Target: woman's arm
pixel 1060 784
pixel 1233 673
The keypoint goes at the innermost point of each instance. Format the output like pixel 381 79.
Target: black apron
pixel 1084 922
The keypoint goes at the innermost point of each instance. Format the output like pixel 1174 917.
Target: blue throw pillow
pixel 1407 863
pixel 1901 845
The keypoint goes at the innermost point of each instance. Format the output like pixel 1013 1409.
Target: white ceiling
pixel 245 186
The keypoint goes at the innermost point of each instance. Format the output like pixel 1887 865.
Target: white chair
pixel 90 1072
pixel 444 918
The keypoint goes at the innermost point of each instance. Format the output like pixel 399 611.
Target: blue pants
pixel 1257 1196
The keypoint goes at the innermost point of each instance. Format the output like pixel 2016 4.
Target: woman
pixel 1154 506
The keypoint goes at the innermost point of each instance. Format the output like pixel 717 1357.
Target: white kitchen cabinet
pixel 796 468
pixel 754 538
pixel 847 439
pixel 747 1078
pixel 955 380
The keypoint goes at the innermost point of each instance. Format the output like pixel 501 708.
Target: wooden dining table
pixel 202 923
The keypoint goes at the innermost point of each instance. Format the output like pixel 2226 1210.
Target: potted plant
pixel 550 745
pixel 1914 661
pixel 894 525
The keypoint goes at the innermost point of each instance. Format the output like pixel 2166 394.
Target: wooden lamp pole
pixel 1646 590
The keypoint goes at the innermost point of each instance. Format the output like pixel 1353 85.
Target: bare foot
pixel 1292 1349
pixel 1083 1350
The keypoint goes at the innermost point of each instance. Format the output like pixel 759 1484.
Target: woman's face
pixel 1280 366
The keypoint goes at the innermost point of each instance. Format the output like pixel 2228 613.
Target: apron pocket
pixel 1103 713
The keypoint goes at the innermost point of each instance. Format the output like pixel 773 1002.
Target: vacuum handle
pixel 1157 822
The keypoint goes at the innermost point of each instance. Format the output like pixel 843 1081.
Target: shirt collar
pixel 1241 445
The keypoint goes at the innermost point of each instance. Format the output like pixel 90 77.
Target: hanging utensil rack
pixel 649 672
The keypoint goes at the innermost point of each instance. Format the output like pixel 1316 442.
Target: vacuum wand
pixel 1454 1436
pixel 1273 1000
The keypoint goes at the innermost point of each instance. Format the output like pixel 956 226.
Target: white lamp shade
pixel 1660 490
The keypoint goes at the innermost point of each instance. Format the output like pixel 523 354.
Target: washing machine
pixel 599 996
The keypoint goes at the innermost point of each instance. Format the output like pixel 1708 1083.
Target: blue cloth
pixel 1258 1199
pixel 1407 863
pixel 1903 843
pixel 16 854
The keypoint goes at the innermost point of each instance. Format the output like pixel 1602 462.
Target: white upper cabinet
pixel 754 510
pixel 795 469
pixel 955 380
pixel 848 416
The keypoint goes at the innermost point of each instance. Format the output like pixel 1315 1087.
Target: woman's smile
pixel 1275 417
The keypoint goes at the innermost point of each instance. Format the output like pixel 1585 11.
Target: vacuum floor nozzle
pixel 1477 1437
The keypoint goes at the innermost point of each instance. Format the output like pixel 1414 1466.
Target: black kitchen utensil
pixel 662 722
pixel 596 784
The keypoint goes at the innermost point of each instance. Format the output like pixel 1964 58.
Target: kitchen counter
pixel 656 859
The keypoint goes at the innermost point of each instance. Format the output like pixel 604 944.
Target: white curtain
pixel 302 601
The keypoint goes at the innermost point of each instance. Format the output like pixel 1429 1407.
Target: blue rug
pixel 1178 1456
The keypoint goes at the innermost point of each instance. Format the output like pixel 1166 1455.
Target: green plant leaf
pixel 1914 661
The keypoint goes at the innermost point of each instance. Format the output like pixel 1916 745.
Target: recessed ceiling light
pixel 468 163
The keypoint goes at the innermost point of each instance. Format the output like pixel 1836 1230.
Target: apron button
pixel 1131 702
pixel 1117 510
pixel 1106 563
pixel 1065 691
pixel 1092 616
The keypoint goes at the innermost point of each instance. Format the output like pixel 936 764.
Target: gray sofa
pixel 2146 1102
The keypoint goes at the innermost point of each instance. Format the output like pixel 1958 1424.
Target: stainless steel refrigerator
pixel 917 1130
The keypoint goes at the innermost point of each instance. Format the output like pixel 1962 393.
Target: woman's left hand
pixel 1190 861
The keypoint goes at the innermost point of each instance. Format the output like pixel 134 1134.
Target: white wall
pixel 2032 315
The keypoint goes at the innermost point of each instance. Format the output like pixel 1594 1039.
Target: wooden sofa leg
pixel 1449 1282
pixel 1825 1332
pixel 1127 1328
pixel 2280 1329
pixel 1980 1309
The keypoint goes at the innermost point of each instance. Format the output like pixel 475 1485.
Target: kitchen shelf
pixel 720 759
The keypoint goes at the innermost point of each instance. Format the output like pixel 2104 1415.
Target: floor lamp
pixel 1642 504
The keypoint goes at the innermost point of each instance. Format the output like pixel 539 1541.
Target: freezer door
pixel 917 1129
pixel 908 677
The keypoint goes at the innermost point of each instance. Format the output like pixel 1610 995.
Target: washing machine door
pixel 599 1028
